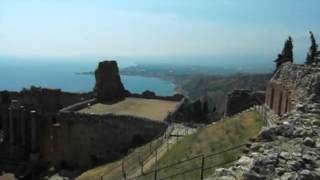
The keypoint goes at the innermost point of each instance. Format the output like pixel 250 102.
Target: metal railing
pixel 203 164
pixel 130 165
pixel 268 117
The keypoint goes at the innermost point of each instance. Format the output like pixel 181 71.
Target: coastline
pixel 177 88
pixel 74 83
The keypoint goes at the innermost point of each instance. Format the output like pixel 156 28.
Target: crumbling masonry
pixel 291 148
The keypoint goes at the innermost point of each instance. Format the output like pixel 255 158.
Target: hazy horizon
pixel 219 29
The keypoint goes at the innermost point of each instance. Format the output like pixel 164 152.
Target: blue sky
pixel 155 27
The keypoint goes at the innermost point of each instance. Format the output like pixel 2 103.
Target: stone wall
pixel 175 112
pixel 67 98
pixel 84 140
pixel 291 84
pixel 26 136
pixel 278 98
pixel 80 105
pixel 303 80
pixel 46 101
pixel 290 149
pixel 176 97
pixel 239 100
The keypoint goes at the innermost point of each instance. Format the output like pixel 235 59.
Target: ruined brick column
pixel 33 131
pixel 109 87
pixel 5 125
pixel 23 126
pixel 11 126
pixel 241 99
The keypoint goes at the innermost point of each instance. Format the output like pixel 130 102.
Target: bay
pixel 18 73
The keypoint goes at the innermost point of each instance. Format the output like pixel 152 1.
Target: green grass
pixel 148 108
pixel 215 138
pixel 113 170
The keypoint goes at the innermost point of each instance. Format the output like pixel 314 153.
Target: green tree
pixel 313 51
pixel 278 61
pixel 286 54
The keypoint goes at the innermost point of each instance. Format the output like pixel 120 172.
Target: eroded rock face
pixel 300 79
pixel 109 87
pixel 289 150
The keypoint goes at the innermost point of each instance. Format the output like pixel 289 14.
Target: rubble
pixel 291 149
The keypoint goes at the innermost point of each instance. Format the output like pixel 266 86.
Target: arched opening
pixel 271 100
pixel 280 103
pixel 287 104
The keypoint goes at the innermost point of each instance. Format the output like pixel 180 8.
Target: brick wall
pixel 81 140
pixel 239 100
pixel 278 98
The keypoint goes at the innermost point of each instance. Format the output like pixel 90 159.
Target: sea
pixel 66 74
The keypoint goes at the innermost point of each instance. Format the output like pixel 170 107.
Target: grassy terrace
pixel 131 164
pixel 147 108
pixel 215 138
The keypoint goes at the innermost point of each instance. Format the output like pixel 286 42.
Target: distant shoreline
pixel 77 83
pixel 176 88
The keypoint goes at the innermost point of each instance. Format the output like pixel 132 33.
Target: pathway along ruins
pixel 174 138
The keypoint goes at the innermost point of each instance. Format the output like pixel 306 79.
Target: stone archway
pixel 280 103
pixel 271 98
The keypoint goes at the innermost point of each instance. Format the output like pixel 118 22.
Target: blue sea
pixel 19 72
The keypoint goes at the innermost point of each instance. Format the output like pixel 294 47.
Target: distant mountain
pixel 198 80
pixel 218 87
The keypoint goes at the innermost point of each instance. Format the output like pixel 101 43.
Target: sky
pixel 155 27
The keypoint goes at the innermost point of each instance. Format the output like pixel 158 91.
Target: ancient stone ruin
pixel 290 149
pixel 109 87
pixel 240 99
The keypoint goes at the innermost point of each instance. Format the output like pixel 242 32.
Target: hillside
pixel 212 139
pixel 196 82
pixel 217 87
